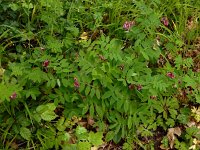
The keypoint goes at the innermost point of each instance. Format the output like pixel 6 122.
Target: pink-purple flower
pixel 171 75
pixel 153 97
pixel 131 86
pixel 128 24
pixel 76 83
pixel 13 96
pixel 45 63
pixel 139 87
pixel 165 21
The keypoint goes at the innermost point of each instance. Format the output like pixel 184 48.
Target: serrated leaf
pixel 25 133
pixel 63 136
pixel 60 124
pixel 95 138
pixel 84 146
pixel 48 115
pixel 46 107
pixel 189 81
pixel 80 130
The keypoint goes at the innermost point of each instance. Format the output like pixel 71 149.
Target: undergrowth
pixel 99 74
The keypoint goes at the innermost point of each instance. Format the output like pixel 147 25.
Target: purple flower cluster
pixel 128 24
pixel 45 63
pixel 171 75
pixel 165 21
pixel 13 96
pixel 76 83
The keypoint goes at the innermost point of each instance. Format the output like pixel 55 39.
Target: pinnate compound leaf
pixel 25 133
pixel 46 111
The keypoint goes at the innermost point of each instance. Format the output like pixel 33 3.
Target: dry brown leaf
pixel 90 120
pixel 171 135
pixel 14 145
pixel 162 147
pixel 2 71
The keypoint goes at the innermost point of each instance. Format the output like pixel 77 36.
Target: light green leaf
pixel 96 138
pixel 130 122
pixel 107 94
pixel 110 135
pixel 58 82
pixel 99 111
pixel 98 93
pixel 92 92
pixel 25 133
pixel 48 115
pixel 80 130
pixel 87 90
pixel 65 82
pixel 84 146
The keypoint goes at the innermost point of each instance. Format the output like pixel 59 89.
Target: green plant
pixel 79 74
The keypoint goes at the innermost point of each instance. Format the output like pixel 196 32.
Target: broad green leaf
pixel 48 116
pixel 25 133
pixel 63 136
pixel 46 107
pixel 80 130
pixel 96 138
pixel 84 146
pixel 60 124
pixel 65 82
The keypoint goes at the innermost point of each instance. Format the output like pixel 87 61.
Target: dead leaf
pixel 90 120
pixel 84 36
pixel 2 71
pixel 14 145
pixel 171 135
pixel 94 148
pixel 162 147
